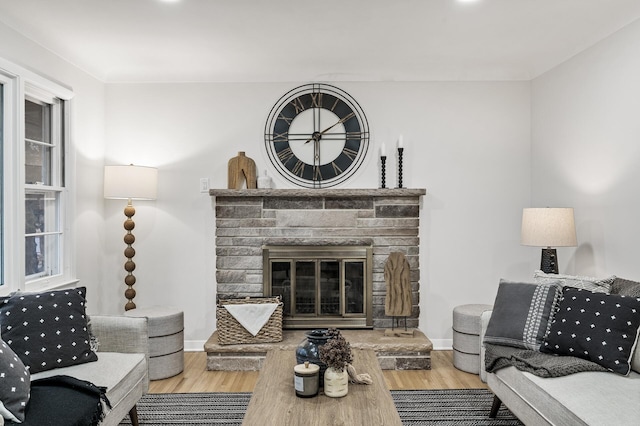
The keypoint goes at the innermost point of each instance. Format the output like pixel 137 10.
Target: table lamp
pixel 130 183
pixel 547 228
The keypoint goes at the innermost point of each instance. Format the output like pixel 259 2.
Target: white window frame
pixel 18 84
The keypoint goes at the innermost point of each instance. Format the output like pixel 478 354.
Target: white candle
pixel 383 150
pixel 400 141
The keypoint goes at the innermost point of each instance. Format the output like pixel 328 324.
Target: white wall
pixel 586 150
pixel 88 138
pixel 467 143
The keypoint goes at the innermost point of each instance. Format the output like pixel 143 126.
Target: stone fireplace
pixel 322 250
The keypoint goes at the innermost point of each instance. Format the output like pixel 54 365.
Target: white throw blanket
pixel 252 316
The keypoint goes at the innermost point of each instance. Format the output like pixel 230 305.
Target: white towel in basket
pixel 252 316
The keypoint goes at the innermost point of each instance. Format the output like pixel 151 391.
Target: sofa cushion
pixel 47 330
pixel 14 385
pixel 521 313
pixel 599 285
pixel 588 398
pixel 118 372
pixel 602 328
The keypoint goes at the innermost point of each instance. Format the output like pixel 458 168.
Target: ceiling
pixel 316 40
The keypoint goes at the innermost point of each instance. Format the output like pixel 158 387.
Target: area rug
pixel 460 407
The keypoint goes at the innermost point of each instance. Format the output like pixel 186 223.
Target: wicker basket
pixel 231 332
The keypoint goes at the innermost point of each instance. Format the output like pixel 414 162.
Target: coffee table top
pixel 274 400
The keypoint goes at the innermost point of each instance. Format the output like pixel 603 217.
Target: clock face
pixel 316 135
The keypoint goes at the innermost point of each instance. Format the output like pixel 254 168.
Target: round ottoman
pixel 166 340
pixel 466 337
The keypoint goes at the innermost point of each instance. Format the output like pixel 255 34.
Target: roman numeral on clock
pixel 285 155
pixel 350 153
pixel 316 100
pixel 285 119
pixel 317 175
pixel 298 105
pixel 298 168
pixel 281 137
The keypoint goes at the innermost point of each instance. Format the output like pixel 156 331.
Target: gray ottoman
pixel 166 340
pixel 466 337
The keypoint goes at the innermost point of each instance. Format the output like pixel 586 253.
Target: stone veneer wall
pixel 387 219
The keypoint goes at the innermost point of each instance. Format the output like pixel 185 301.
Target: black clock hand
pixel 317 135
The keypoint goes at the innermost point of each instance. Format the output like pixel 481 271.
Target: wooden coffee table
pixel 274 400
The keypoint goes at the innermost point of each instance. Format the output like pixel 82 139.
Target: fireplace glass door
pixel 320 287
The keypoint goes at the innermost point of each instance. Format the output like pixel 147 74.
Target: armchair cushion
pixel 47 330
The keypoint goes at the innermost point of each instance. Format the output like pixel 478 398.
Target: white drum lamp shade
pixel 548 227
pixel 130 182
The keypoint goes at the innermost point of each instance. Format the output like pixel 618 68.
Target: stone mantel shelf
pixel 328 192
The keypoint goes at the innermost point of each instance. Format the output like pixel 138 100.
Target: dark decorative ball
pixel 130 279
pixel 129 224
pixel 129 266
pixel 129 252
pixel 129 238
pixel 129 211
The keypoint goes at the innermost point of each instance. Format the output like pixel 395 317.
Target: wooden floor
pixel 196 378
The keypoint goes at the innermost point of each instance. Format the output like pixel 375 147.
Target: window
pixel 44 182
pixel 36 201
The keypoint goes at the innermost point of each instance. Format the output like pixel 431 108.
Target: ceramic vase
pixel 309 349
pixel 336 382
pixel 264 181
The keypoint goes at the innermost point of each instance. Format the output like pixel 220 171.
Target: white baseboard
pixel 442 344
pixel 194 345
pixel 198 345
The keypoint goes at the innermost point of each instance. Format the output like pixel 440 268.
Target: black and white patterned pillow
pixel 47 330
pixel 521 314
pixel 15 383
pixel 602 328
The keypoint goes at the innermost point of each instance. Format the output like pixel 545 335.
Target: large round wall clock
pixel 316 135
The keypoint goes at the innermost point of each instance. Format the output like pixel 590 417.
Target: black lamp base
pixel 549 261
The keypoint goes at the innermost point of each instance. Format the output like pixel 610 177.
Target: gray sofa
pixel 122 365
pixel 586 398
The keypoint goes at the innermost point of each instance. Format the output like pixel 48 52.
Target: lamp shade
pixel 130 182
pixel 548 227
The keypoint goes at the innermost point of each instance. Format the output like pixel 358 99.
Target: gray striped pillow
pixel 521 314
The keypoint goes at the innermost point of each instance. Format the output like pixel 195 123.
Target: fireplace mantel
pixel 328 192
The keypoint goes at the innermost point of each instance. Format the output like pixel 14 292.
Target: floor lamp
pixel 547 228
pixel 130 183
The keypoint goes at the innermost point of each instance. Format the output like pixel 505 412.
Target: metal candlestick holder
pixel 383 161
pixel 400 150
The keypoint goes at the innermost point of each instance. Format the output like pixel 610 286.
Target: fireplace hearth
pixel 328 248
